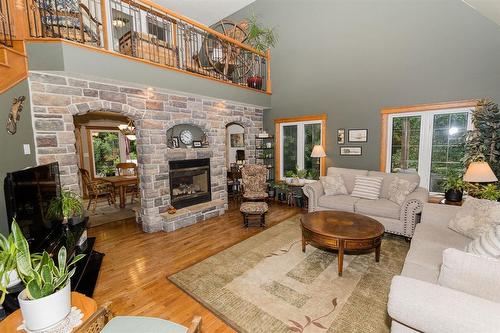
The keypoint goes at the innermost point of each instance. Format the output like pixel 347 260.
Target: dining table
pixel 120 183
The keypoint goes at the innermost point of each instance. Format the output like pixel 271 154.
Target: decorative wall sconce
pixel 14 115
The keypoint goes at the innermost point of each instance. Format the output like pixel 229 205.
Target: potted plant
pixel 454 187
pixel 490 192
pixel 68 207
pixel 261 39
pixel 289 175
pixel 271 190
pixel 8 272
pixel 46 300
pixel 301 175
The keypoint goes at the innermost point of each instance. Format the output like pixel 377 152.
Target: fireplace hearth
pixel 190 182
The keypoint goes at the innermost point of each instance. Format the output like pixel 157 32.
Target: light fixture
pixel 128 130
pixel 479 172
pixel 318 151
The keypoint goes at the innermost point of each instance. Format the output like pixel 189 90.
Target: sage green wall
pixel 349 58
pixel 11 146
pixel 57 56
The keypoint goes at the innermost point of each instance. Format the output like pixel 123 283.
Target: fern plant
pixel 41 276
pixel 68 204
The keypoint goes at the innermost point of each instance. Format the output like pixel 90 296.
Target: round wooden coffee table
pixel 342 231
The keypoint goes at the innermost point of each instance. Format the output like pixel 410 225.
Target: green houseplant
pixel 261 39
pixel 8 272
pixel 454 186
pixel 490 192
pixel 46 300
pixel 67 205
pixel 483 142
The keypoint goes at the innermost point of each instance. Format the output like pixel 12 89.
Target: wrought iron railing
pixel 5 24
pixel 148 31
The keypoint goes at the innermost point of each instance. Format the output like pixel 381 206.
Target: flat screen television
pixel 28 194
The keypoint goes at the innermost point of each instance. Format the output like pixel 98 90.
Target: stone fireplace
pixel 57 97
pixel 190 182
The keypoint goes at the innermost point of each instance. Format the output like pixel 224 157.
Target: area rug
pixel 266 284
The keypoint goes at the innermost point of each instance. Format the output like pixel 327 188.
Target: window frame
pixel 427 113
pixel 300 122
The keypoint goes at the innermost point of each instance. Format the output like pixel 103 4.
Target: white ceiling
pixel 489 8
pixel 204 11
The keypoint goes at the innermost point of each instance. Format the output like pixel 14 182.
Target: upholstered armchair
pixel 254 183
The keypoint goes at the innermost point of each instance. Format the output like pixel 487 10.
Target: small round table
pixel 342 231
pixel 86 304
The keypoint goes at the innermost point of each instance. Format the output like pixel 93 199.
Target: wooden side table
pixel 86 304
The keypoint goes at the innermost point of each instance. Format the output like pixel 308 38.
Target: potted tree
pixel 46 300
pixel 454 187
pixel 261 39
pixel 68 207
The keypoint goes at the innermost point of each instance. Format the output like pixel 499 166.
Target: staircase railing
pixel 150 32
pixel 6 30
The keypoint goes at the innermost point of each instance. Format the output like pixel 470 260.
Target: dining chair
pixel 97 188
pixel 129 169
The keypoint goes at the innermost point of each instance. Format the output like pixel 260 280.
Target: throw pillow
pixel 488 244
pixel 470 273
pixel 399 190
pixel 475 217
pixel 333 185
pixel 367 187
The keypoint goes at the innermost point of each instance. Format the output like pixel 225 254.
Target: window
pixel 430 143
pixel 296 140
pixel 157 27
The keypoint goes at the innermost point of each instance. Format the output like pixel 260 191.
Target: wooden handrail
pixel 199 25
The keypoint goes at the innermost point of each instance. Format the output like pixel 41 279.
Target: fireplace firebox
pixel 190 182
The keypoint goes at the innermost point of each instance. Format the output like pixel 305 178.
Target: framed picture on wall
pixel 237 140
pixel 175 142
pixel 350 151
pixel 357 135
pixel 341 136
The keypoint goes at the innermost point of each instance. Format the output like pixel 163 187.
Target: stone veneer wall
pixel 56 98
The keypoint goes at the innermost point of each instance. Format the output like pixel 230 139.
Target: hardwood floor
pixel 136 265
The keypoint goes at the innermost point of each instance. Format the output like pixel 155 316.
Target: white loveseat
pixel 397 219
pixel 417 303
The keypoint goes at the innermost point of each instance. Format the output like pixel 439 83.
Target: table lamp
pixel 318 152
pixel 479 172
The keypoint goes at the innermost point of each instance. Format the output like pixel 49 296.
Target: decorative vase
pixel 453 195
pixel 255 82
pixel 39 314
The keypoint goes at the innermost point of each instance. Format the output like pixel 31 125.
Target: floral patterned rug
pixel 266 284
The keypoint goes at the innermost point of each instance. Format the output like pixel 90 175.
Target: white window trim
pixel 300 139
pixel 425 144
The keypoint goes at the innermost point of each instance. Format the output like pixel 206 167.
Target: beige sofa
pixel 417 303
pixel 397 219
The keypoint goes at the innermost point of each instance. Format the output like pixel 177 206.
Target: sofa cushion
pixel 389 177
pixel 347 174
pixel 333 185
pixel 380 207
pixel 338 202
pixel 400 189
pixel 470 273
pixel 419 272
pixel 433 233
pixel 475 217
pixel 367 187
pixel 488 244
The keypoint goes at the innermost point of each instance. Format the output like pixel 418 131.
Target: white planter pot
pixel 42 313
pixel 13 279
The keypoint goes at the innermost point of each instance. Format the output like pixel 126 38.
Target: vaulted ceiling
pixel 488 8
pixel 204 11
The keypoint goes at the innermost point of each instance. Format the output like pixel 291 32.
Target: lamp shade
pixel 479 172
pixel 318 151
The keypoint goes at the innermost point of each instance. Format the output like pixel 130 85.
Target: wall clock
pixel 186 137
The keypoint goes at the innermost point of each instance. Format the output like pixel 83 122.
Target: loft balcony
pixel 153 34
